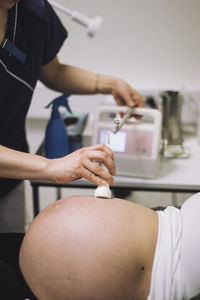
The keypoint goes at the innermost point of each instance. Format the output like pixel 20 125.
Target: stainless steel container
pixel 171 121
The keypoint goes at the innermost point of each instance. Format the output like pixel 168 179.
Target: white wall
pixel 152 43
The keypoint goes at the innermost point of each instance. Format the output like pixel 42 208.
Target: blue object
pixel 56 137
pixel 15 51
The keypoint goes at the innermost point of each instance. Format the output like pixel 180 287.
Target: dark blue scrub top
pixel 40 35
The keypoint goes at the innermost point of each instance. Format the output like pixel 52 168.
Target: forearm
pixel 20 165
pixel 74 80
pixel 80 81
pixel 65 78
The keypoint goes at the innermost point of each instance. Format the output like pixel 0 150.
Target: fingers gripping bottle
pixel 56 138
pixel 103 191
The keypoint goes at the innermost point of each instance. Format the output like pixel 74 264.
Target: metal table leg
pixel 36 208
pixel 58 193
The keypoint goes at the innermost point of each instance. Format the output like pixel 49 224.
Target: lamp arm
pixel 92 25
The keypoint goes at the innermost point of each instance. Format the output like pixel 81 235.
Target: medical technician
pixel 31 36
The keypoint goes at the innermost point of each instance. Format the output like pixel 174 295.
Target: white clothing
pixel 166 280
pixel 176 265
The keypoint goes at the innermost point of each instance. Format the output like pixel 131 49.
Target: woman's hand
pixel 122 92
pixel 81 164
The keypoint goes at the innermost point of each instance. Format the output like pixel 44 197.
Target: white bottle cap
pixel 103 191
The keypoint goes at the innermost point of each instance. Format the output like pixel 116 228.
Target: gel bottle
pixel 56 138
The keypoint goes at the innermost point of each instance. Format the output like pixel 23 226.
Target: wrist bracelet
pixel 96 89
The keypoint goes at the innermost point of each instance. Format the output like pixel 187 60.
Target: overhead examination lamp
pixel 92 25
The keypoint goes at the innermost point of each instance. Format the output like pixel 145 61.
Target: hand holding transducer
pixel 80 164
